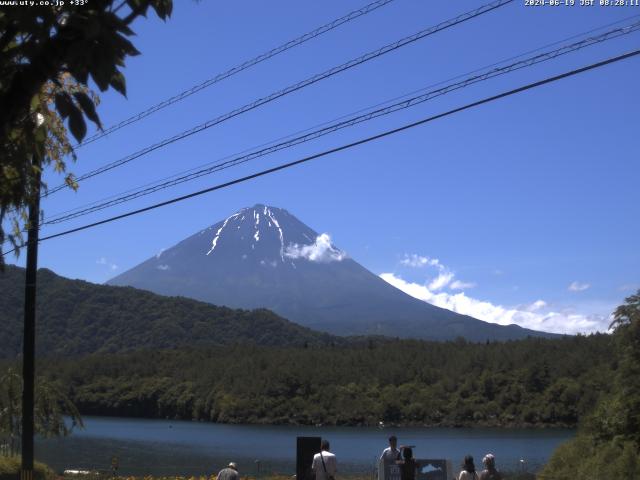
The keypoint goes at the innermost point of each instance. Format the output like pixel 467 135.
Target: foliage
pixel 10 469
pixel 50 409
pixel 583 458
pixel 608 445
pixel 253 366
pixel 241 366
pixel 398 382
pixel 47 56
pixel 77 317
pixel 55 148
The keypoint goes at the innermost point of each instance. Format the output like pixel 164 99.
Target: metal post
pixel 29 347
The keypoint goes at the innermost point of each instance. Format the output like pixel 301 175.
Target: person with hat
pixel 229 473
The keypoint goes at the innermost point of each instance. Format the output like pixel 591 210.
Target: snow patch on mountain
pixel 275 222
pixel 236 220
pixel 224 224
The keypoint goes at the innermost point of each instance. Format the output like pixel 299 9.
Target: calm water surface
pixel 165 447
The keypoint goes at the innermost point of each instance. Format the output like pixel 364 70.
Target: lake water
pixel 165 447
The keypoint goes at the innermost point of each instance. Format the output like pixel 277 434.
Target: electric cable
pixel 347 146
pixel 237 69
pixel 292 88
pixel 342 117
pixel 407 103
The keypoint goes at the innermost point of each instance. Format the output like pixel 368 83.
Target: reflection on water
pixel 164 447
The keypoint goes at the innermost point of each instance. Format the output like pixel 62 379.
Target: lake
pixel 168 447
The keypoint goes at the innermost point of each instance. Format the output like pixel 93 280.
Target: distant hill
pixel 78 317
pixel 265 257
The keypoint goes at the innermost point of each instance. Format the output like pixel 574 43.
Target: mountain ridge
pixel 264 256
pixel 75 317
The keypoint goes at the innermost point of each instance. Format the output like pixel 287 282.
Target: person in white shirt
pixel 390 455
pixel 229 473
pixel 324 463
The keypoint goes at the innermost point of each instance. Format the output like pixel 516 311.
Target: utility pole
pixel 29 346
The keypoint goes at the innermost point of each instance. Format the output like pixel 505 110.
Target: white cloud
pixel 537 305
pixel 535 315
pixel 578 287
pixel 442 280
pixel 458 285
pixel 104 261
pixel 445 276
pixel 417 261
pixel 321 251
pixel 163 267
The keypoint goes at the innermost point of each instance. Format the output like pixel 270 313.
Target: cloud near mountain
pixel 535 316
pixel 321 250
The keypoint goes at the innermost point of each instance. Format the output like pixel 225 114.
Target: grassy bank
pixel 10 469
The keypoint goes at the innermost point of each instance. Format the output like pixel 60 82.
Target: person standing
pixel 229 473
pixel 324 464
pixel 390 456
pixel 490 472
pixel 468 469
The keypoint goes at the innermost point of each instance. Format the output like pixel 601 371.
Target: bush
pixel 582 457
pixel 10 469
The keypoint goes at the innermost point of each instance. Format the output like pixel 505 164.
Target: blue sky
pixel 518 200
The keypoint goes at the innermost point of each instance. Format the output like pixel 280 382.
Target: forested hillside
pixel 77 317
pixel 530 382
pixel 608 442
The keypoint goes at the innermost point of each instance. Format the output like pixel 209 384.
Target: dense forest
pixel 608 442
pixel 539 382
pixel 77 317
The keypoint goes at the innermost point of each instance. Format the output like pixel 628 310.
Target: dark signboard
pixel 306 448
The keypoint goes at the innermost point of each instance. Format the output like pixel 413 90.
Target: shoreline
pixel 469 425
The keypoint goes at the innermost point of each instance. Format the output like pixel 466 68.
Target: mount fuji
pixel 264 257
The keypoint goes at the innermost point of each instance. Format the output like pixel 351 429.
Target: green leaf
pixel 91 27
pixel 124 46
pixel 76 124
pixel 117 24
pixel 102 64
pixel 71 182
pixel 39 150
pixel 64 104
pixel 88 107
pixel 35 102
pixel 163 8
pixel 140 6
pixel 118 82
pixel 40 135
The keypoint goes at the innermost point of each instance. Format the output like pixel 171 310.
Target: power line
pixel 331 128
pixel 345 116
pixel 346 146
pixel 293 88
pixel 237 69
